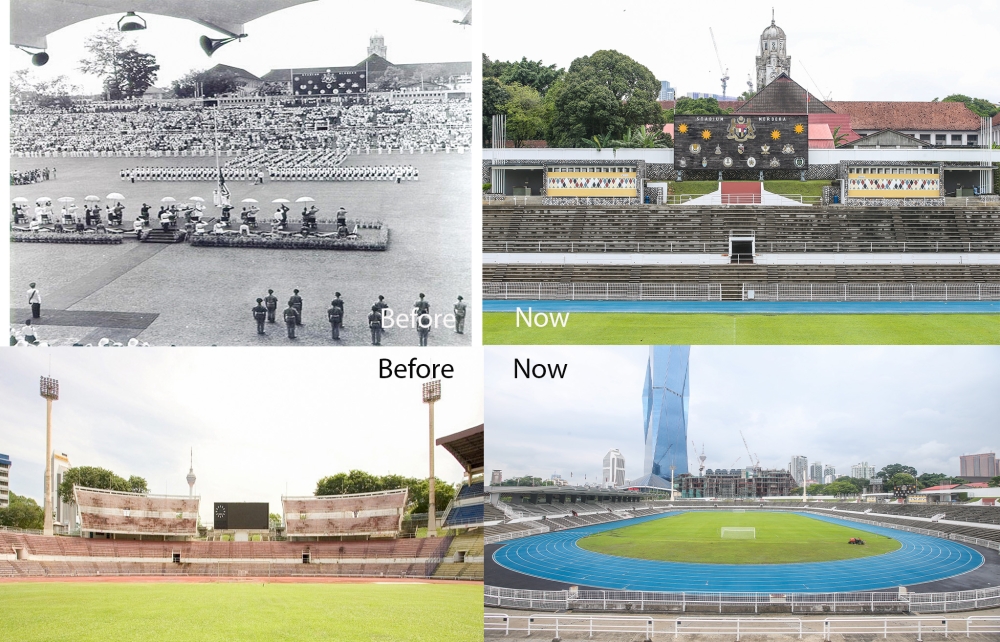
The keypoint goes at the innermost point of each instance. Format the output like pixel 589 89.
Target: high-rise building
pixel 496 478
pixel 4 480
pixel 772 55
pixel 829 474
pixel 376 46
pixel 981 465
pixel 614 469
pixel 665 397
pixel 65 513
pixel 666 91
pixel 798 467
pixel 862 471
pixel 816 472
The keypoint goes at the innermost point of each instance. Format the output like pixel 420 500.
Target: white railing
pixel 580 625
pixel 603 291
pixel 872 291
pixel 721 246
pixel 503 537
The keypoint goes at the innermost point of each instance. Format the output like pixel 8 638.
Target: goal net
pixel 739 532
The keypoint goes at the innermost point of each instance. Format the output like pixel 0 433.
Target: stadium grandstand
pixel 120 515
pixel 366 515
pixel 463 517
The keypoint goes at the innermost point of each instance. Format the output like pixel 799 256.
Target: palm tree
pixel 598 142
pixel 641 137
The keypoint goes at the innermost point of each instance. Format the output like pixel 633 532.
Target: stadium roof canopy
pixel 467 448
pixel 32 20
pixel 783 96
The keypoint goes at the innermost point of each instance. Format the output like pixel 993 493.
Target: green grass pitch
pixel 609 328
pixel 696 537
pixel 250 612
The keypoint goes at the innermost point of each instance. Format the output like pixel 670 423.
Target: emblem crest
pixel 775 162
pixel 718 150
pixel 727 161
pixel 695 148
pixel 800 162
pixel 329 78
pixel 741 130
pixel 751 162
pixel 765 150
pixel 740 148
pixel 704 162
pixel 788 149
pixel 683 162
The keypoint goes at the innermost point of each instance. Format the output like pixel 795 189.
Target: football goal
pixel 739 532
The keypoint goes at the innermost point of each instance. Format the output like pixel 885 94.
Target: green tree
pixel 859 485
pixel 994 482
pixel 529 73
pixel 980 106
pixel 495 96
pixel 103 48
pixel 359 481
pixel 746 95
pixel 841 488
pixel 274 519
pixel 604 92
pixel 698 107
pixel 102 478
pixel 902 479
pixel 525 113
pixel 22 512
pixel 443 493
pixel 642 137
pixel 817 489
pixel 887 472
pixel 136 73
pixel 210 83
pixel 932 479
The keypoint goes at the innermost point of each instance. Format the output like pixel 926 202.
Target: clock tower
pixel 772 55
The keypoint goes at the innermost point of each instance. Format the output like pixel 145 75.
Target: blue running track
pixel 750 307
pixel 556 556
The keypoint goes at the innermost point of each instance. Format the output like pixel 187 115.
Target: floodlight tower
pixel 49 390
pixel 432 393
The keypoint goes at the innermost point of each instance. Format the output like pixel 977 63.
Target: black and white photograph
pixel 240 173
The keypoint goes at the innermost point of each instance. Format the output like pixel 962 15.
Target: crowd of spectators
pixel 29 176
pixel 104 127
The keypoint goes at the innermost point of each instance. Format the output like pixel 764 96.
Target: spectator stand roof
pixel 888 139
pixel 32 20
pixel 467 448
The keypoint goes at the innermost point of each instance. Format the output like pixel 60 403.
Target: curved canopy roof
pixel 32 20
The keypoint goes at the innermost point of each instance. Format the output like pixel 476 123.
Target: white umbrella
pixel 66 199
pixel 20 199
pixel 92 198
pixel 168 199
pixel 197 198
pixel 114 196
pixel 249 200
pixel 43 199
pixel 281 200
pixel 305 199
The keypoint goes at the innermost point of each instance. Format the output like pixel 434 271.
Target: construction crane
pixel 826 96
pixel 722 68
pixel 753 462
pixel 750 84
pixel 701 458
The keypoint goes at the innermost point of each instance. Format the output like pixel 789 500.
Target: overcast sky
pixel 327 32
pixel 258 419
pixel 919 406
pixel 885 50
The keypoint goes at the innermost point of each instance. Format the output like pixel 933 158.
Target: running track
pixel 555 556
pixel 749 307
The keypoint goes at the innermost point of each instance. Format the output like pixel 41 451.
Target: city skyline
pixel 833 403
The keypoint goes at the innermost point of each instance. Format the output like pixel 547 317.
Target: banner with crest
pixel 734 141
pixel 330 83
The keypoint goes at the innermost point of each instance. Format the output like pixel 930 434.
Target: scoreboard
pixel 732 141
pixel 249 516
pixel 330 83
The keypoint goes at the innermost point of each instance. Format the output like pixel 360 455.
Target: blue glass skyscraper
pixel 665 411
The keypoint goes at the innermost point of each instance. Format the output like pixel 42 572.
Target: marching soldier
pixel 422 306
pixel 336 316
pixel 460 310
pixel 271 303
pixel 260 315
pixel 295 301
pixel 375 324
pixel 381 305
pixel 291 316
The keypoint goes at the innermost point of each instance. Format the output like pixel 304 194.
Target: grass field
pixel 250 612
pixel 695 537
pixel 807 188
pixel 607 328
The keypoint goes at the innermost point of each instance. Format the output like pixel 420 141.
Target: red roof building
pixel 935 122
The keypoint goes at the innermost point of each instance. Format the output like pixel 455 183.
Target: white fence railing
pixel 795 292
pixel 603 291
pixel 589 626
pixel 503 537
pixel 721 246
pixel 871 291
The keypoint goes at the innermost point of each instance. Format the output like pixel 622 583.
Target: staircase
pixel 158 235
